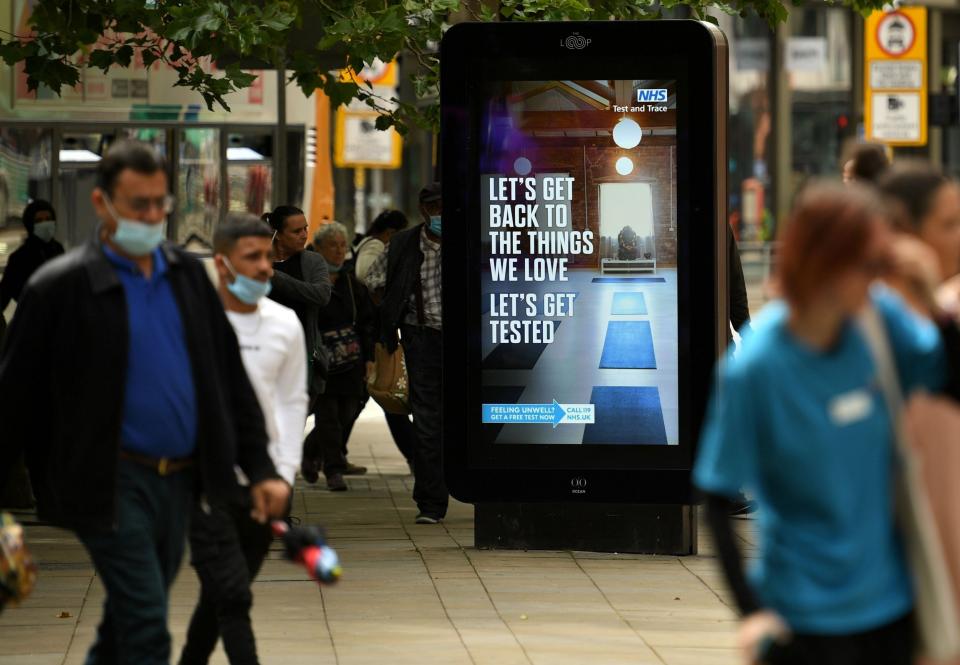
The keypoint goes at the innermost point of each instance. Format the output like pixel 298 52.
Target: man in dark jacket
pixel 408 277
pixel 122 380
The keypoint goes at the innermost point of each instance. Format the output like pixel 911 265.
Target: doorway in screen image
pixel 626 226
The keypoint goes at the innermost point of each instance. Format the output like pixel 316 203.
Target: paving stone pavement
pixel 415 594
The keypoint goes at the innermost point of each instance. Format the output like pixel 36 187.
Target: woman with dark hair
pixel 300 280
pixel 39 219
pixel 799 423
pixel 375 242
pixel 865 163
pixel 925 204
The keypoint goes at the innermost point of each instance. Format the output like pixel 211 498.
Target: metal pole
pixel 359 200
pixel 280 137
pixel 377 197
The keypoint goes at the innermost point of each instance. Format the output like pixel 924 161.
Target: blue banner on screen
pixel 579 262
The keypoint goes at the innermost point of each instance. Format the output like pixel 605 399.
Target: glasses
pixel 144 204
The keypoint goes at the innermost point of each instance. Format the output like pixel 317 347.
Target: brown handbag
pixel 388 384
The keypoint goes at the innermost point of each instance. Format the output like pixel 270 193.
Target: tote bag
pixel 938 622
pixel 388 384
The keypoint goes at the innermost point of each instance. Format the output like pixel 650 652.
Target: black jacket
pixel 340 312
pixel 32 254
pixel 304 296
pixel 736 286
pixel 62 379
pixel 404 259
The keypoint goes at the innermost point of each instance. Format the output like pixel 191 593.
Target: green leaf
pixel 11 52
pixel 101 59
pixel 124 55
pixel 149 57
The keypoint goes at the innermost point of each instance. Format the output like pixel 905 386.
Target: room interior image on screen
pixel 578 260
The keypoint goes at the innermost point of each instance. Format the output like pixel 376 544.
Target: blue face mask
pixel 245 289
pixel 434 225
pixel 134 237
pixel 333 267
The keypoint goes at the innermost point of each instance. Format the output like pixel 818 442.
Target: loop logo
pixel 578 486
pixel 575 42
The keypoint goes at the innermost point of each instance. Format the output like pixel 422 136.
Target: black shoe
pixel 423 518
pixel 354 470
pixel 336 483
pixel 310 471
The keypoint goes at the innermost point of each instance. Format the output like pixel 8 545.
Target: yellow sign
pixel 895 76
pixel 357 141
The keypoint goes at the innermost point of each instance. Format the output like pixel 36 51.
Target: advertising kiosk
pixel 584 276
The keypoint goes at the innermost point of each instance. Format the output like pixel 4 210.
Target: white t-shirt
pixel 274 355
pixel 367 253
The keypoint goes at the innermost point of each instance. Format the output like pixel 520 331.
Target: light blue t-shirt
pixel 807 433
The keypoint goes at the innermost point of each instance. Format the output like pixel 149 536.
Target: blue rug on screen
pixel 626 416
pixel 628 280
pixel 516 356
pixel 628 345
pixel 498 395
pixel 628 302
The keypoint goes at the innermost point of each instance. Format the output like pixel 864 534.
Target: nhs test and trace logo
pixel 652 95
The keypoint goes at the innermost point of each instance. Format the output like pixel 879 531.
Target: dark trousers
pixel 892 644
pixel 227 549
pixel 404 434
pixel 137 563
pixel 334 416
pixel 421 347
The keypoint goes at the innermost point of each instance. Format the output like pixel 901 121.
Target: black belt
pixel 164 466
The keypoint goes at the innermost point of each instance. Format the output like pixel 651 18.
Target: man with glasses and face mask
pixel 123 382
pixel 227 547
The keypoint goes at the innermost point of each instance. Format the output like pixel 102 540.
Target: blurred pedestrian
pixel 865 163
pixel 346 330
pixel 40 221
pixel 300 279
pixel 386 224
pixel 227 546
pixel 925 204
pixel 408 280
pixel 372 245
pixel 831 584
pixel 123 381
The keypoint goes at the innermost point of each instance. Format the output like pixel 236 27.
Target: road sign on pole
pixel 895 76
pixel 358 143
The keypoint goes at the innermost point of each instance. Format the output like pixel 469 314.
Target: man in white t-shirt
pixel 227 546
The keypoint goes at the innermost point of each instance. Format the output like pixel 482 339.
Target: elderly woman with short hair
pixel 346 330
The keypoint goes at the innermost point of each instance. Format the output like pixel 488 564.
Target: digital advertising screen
pixel 578 260
pixel 583 252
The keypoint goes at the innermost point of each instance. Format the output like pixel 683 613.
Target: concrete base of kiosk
pixel 591 527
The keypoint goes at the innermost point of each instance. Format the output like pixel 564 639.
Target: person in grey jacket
pixel 300 279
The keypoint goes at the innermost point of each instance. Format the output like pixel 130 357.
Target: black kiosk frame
pixel 547 495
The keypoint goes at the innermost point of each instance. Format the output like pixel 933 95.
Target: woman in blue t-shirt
pixel 799 421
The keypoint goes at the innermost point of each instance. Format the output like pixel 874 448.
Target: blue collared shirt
pixel 159 410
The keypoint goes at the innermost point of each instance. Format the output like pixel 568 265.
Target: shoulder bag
pixel 938 625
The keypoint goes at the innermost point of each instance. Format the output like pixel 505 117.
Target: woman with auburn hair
pixel 800 423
